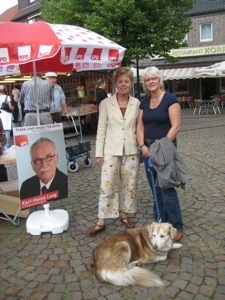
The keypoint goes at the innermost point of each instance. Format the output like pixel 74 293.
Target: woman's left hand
pixel 145 151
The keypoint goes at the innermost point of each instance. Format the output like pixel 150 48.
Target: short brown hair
pixel 124 71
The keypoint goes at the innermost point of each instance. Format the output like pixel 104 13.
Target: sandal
pixel 126 221
pixel 96 228
pixel 178 236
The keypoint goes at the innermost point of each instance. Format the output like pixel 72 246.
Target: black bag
pixel 5 106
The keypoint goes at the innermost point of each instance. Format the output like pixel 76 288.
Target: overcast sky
pixel 5 4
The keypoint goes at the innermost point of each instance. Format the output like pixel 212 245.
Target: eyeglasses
pixel 47 158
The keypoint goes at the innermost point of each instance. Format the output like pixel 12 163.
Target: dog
pixel 118 258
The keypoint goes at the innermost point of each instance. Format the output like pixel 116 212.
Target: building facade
pixel 205 46
pixel 29 11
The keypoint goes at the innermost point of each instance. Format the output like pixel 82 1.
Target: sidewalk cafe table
pixel 207 104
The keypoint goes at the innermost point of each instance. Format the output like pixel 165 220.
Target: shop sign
pixel 198 51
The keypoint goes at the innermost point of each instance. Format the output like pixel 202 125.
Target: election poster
pixel 41 164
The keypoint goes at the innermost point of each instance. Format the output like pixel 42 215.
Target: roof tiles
pixel 207 6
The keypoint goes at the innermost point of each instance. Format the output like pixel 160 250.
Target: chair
pixel 198 106
pixel 215 105
pixel 222 102
pixel 189 102
pixel 181 101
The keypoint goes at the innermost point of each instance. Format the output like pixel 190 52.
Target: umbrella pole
pixel 36 94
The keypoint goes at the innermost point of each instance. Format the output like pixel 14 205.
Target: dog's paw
pixel 133 264
pixel 177 246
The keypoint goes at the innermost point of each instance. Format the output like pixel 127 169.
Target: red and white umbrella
pixel 56 47
pixel 42 47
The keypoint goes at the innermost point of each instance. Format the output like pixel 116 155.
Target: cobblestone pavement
pixel 58 266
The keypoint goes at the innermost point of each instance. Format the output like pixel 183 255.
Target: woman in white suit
pixel 117 153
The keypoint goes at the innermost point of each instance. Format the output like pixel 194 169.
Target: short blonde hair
pixel 154 71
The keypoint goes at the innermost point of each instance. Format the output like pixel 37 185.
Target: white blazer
pixel 116 133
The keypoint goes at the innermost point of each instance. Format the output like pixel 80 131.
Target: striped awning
pixel 180 73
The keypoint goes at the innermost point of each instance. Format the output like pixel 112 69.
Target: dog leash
pixel 152 170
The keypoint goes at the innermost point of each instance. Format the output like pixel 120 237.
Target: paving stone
pixel 58 266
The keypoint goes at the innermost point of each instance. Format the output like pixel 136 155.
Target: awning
pixel 180 73
pixel 183 73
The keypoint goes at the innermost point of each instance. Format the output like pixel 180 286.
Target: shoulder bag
pixel 5 106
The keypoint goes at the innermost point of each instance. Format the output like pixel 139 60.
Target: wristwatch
pixel 141 146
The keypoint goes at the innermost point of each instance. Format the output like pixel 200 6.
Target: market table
pixel 9 192
pixel 83 114
pixel 8 156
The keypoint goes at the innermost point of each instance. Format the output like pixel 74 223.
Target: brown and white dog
pixel 118 258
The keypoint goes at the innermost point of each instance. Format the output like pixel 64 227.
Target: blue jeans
pixel 168 203
pixel 7 135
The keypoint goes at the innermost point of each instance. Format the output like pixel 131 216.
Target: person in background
pixel 117 153
pixel 18 113
pixel 6 116
pixel 58 103
pixel 100 91
pixel 3 170
pixel 160 116
pixel 32 98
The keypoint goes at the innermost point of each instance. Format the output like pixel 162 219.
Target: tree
pixel 144 27
pixel 64 11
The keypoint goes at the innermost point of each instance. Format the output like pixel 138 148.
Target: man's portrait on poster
pixel 49 181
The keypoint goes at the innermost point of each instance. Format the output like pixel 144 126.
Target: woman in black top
pixel 100 91
pixel 18 112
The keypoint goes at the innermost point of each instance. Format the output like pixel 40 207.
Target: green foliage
pixel 144 27
pixel 61 12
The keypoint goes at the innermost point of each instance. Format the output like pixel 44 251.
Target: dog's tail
pixel 135 275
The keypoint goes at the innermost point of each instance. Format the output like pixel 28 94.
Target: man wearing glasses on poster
pixel 48 178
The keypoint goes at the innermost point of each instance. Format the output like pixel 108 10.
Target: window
pixel 206 33
pixel 180 86
pixel 31 1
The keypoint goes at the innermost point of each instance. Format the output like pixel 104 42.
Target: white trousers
pixel 118 186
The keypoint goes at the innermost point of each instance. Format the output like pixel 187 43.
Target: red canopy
pixel 56 47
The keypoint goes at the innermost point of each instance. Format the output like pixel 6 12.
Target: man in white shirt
pixel 58 104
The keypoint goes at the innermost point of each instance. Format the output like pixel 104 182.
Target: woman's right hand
pixel 100 160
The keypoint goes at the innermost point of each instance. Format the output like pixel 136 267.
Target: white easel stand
pixel 54 221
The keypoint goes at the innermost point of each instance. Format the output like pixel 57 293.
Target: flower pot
pixel 81 94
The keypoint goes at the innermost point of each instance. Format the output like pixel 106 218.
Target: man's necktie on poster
pixel 44 189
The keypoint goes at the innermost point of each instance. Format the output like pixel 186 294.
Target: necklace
pixel 122 102
pixel 155 101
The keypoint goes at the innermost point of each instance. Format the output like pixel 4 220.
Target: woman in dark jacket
pixel 3 170
pixel 100 91
pixel 18 112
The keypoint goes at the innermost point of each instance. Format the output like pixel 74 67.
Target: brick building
pixel 205 46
